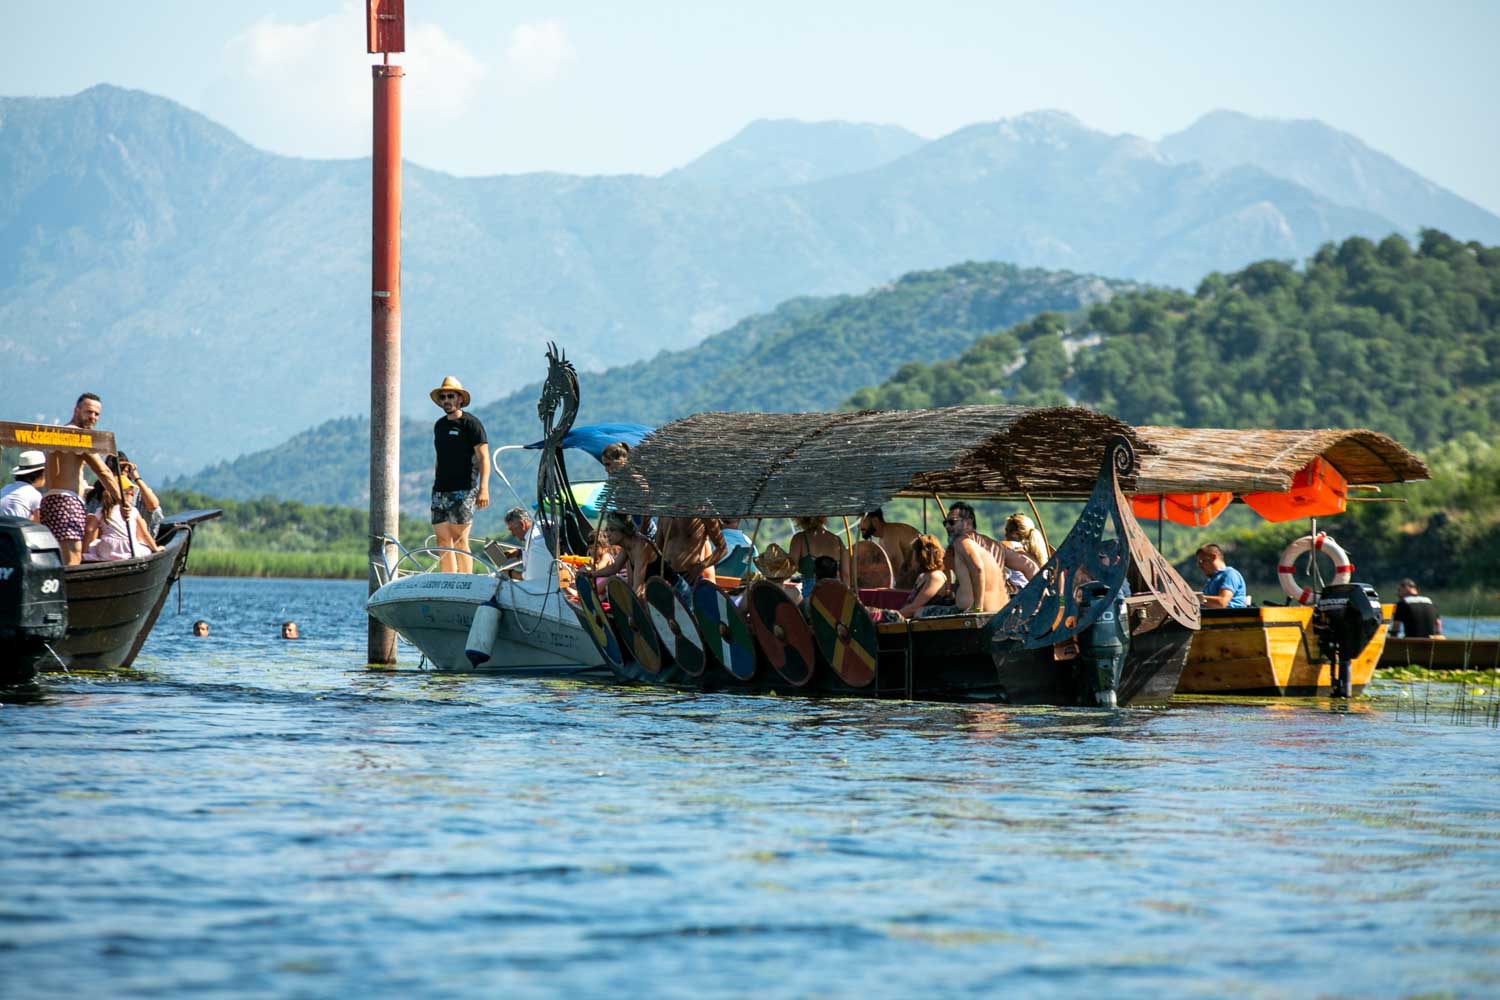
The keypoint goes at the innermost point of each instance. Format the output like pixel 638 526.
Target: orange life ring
pixel 1286 568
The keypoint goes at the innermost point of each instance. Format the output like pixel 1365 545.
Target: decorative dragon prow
pixel 1047 609
pixel 563 525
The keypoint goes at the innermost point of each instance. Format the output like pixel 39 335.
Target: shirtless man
pixel 978 583
pixel 895 538
pixel 690 546
pixel 62 505
pixel 813 539
pixel 630 550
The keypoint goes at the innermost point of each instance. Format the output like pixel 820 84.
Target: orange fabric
pixel 1318 490
pixel 1196 510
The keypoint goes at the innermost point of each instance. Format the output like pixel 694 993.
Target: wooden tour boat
pixel 91 616
pixel 1107 620
pixel 1269 650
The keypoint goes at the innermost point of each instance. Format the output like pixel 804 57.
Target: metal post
pixel 385 338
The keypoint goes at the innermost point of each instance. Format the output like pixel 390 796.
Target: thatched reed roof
pixel 787 464
pixel 1198 460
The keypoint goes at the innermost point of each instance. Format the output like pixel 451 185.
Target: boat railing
pixel 409 564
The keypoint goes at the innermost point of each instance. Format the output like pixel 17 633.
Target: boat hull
pixel 952 659
pixel 1269 651
pixel 538 632
pixel 1441 654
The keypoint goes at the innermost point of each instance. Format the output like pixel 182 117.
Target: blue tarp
pixel 594 438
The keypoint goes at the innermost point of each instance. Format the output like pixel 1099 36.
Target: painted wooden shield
pixel 726 637
pixel 590 612
pixel 872 567
pixel 676 627
pixel 633 626
pixel 781 632
pixel 846 637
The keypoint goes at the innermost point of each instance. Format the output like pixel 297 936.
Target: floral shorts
pixel 454 506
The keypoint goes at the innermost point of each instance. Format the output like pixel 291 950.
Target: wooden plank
pixel 52 437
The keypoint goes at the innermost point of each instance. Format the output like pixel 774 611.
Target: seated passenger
pixel 931 583
pixel 690 546
pixel 631 551
pixel 813 539
pixel 23 498
pixel 1225 587
pixel 896 539
pixel 1027 539
pixel 536 561
pixel 107 534
pixel 978 584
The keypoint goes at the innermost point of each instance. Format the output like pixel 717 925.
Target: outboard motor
pixel 1347 617
pixel 1102 646
pixel 33 598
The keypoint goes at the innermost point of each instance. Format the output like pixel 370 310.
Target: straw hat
pixel 774 563
pixel 31 461
pixel 451 384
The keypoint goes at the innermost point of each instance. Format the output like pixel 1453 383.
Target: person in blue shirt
pixel 1225 587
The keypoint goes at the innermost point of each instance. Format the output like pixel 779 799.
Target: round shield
pixel 781 632
pixel 633 626
pixel 846 636
pixel 590 612
pixel 872 567
pixel 726 637
pixel 675 625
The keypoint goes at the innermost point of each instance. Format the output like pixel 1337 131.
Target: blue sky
pixel 635 87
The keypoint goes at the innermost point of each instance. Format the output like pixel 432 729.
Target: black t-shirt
pixel 457 465
pixel 1417 615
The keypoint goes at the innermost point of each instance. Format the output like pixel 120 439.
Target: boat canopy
pixel 802 464
pixel 1202 460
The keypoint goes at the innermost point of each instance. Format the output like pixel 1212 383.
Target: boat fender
pixel 1286 568
pixel 482 632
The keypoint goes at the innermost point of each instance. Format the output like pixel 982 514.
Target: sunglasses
pixel 952 521
pixel 447 395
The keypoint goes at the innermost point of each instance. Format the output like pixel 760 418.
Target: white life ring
pixel 1343 569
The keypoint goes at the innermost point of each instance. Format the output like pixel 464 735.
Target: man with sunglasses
pixel 461 480
pixel 978 583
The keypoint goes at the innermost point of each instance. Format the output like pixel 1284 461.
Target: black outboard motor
pixel 1102 646
pixel 33 598
pixel 1347 617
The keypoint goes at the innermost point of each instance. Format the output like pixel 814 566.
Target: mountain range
pixel 216 295
pixel 807 353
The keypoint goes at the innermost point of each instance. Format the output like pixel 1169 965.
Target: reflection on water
pixel 249 815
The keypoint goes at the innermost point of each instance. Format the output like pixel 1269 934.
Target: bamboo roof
pixel 804 464
pixel 1199 460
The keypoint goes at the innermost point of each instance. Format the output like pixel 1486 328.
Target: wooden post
pixel 385 33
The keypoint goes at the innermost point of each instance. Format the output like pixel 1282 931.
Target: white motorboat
pixel 535 631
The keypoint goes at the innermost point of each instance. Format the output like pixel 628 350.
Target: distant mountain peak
pixel 1332 163
pixel 785 152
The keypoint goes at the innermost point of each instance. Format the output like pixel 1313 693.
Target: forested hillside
pixel 1398 339
pixel 807 354
pixel 1402 340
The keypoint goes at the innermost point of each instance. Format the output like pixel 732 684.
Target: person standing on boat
pixel 1225 587
pixel 1416 616
pixel 895 538
pixel 23 498
pixel 461 479
pixel 62 505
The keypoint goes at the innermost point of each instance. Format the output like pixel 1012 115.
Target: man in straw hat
pixel 461 480
pixel 23 497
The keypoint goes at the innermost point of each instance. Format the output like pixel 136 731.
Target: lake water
pixel 255 817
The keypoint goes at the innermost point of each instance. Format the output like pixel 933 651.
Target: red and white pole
pixel 386 33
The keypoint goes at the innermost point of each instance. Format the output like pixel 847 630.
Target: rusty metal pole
pixel 385 341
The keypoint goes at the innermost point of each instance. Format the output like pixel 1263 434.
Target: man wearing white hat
pixel 461 480
pixel 23 497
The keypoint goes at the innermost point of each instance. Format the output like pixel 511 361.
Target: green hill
pixel 1398 339
pixel 807 354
